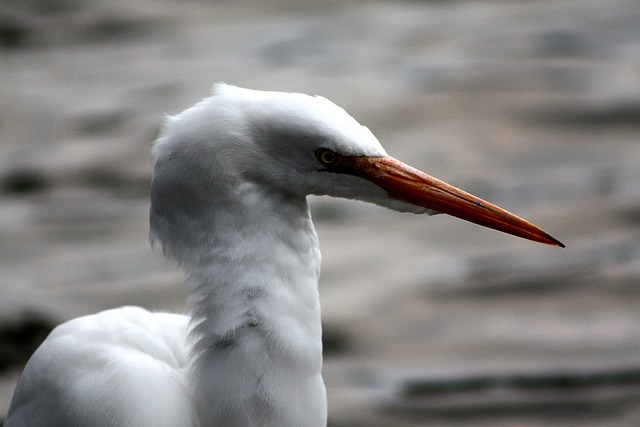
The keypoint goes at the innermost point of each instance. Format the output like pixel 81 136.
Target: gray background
pixel 533 105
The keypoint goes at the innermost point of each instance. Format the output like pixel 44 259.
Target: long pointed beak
pixel 409 185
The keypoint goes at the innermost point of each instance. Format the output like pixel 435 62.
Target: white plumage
pixel 106 367
pixel 228 203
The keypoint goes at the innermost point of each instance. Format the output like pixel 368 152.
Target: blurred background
pixel 531 104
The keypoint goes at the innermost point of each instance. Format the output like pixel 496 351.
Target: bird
pixel 229 188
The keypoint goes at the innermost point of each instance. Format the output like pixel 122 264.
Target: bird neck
pixel 256 313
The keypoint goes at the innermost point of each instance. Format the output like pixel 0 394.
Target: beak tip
pixel 545 238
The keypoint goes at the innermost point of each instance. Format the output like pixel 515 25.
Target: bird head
pixel 296 145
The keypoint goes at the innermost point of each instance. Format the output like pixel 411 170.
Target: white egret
pixel 228 203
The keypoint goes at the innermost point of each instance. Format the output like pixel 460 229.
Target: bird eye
pixel 326 157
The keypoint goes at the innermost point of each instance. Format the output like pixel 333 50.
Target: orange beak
pixel 409 185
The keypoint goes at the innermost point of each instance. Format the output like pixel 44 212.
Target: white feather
pixel 228 203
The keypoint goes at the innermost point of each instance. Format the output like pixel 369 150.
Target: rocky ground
pixel 534 105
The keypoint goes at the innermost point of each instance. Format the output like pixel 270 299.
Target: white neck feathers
pixel 253 259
